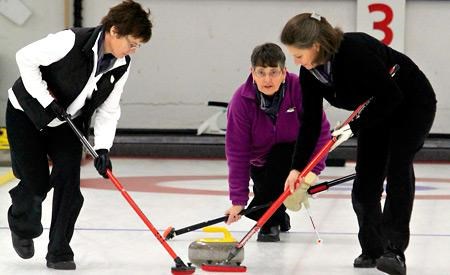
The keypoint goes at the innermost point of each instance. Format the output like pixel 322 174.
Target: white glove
pixel 341 134
pixel 294 201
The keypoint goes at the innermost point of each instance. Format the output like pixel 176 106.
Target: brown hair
pixel 305 29
pixel 268 55
pixel 130 19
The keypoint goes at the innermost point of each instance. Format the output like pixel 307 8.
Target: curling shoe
pixel 365 261
pixel 62 265
pixel 269 234
pixel 23 247
pixel 285 225
pixel 392 263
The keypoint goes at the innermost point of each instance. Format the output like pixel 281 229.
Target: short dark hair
pixel 130 19
pixel 268 55
pixel 303 30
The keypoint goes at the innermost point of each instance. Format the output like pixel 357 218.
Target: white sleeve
pixel 107 116
pixel 42 53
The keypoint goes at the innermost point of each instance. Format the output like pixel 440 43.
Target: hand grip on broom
pixel 180 266
pixel 327 184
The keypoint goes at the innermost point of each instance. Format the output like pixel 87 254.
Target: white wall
pixel 13 37
pixel 200 51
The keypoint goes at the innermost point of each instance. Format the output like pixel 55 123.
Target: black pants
pixel 387 152
pixel 268 182
pixel 30 150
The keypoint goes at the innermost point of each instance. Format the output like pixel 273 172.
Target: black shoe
pixel 364 261
pixel 23 247
pixel 392 263
pixel 269 234
pixel 63 265
pixel 285 224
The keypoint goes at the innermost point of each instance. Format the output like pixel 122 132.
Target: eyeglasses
pixel 272 73
pixel 132 45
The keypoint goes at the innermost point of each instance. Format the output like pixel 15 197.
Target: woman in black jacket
pixel 348 69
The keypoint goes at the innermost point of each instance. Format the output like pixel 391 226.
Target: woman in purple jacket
pixel 264 119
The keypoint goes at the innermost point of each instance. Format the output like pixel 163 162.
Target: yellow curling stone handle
pixel 227 238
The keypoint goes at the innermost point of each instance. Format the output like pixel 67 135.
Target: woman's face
pixel 305 57
pixel 268 79
pixel 120 46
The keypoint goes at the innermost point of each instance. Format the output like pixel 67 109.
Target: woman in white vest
pixel 79 71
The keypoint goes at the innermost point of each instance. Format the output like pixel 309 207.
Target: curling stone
pixel 214 250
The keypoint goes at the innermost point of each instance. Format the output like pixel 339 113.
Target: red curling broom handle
pixel 325 149
pixel 122 190
pixel 138 211
pixel 275 205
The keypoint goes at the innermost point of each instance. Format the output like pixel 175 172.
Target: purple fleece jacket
pixel 251 133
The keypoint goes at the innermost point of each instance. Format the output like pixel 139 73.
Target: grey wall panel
pixel 200 51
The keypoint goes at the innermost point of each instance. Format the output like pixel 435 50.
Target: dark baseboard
pixel 186 144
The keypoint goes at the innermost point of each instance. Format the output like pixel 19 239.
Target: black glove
pixel 102 162
pixel 58 110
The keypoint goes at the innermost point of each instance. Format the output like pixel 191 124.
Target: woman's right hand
pixel 233 213
pixel 291 181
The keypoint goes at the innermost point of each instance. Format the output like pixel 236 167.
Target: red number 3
pixel 383 25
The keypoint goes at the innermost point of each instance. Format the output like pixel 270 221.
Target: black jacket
pixel 66 79
pixel 360 70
